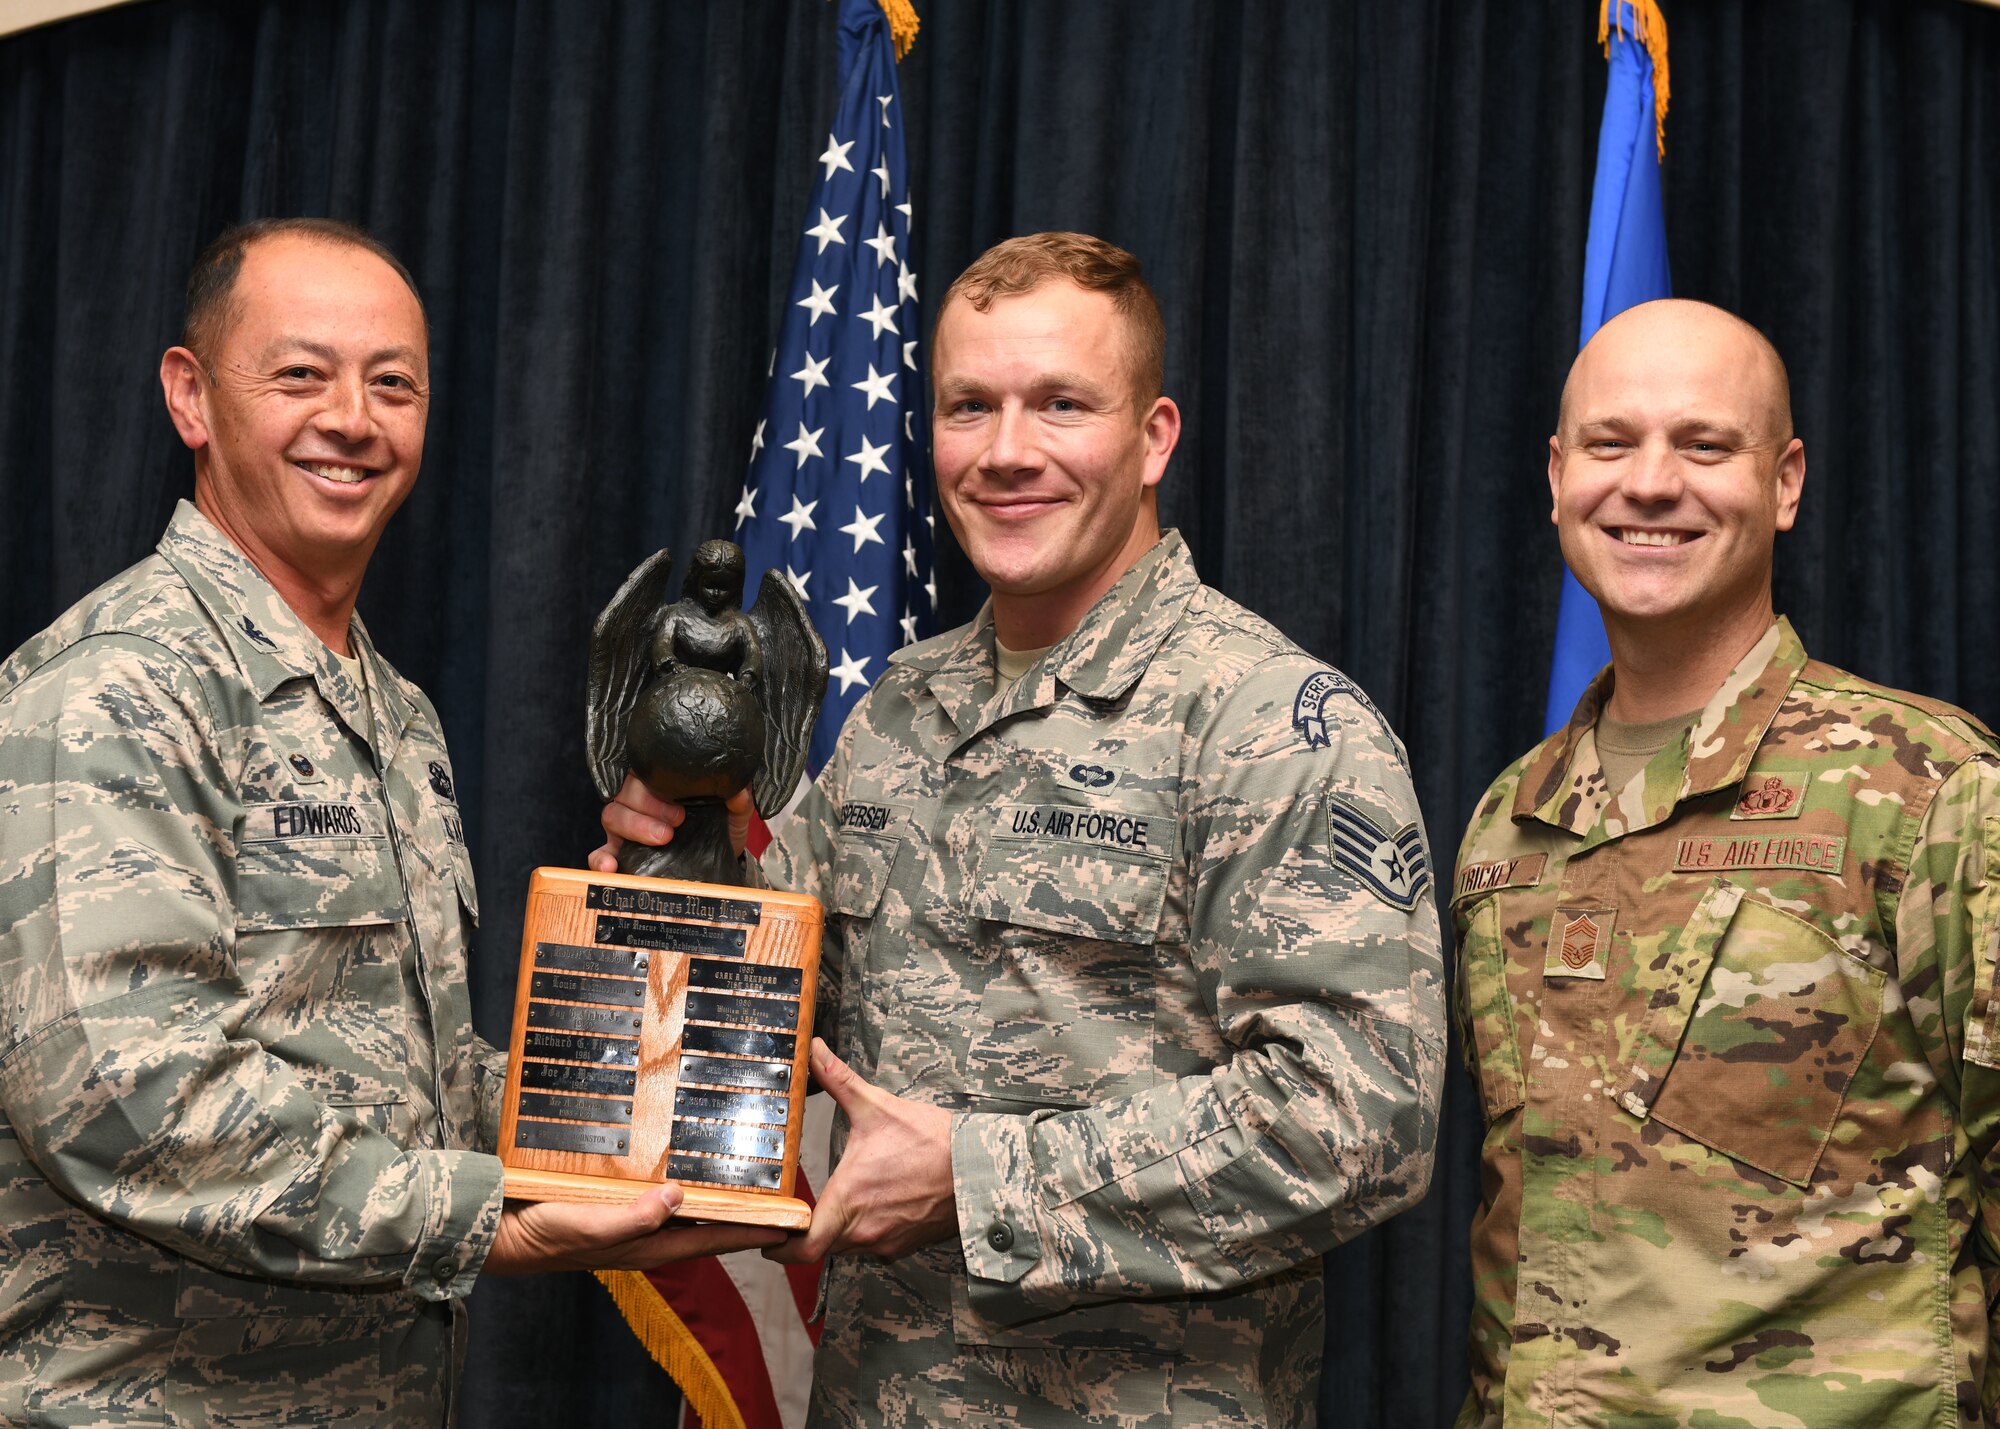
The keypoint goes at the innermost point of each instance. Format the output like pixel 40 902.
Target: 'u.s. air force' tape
pixel 1393 866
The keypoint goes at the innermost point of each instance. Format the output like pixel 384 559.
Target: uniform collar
pixel 1564 785
pixel 1102 659
pixel 270 642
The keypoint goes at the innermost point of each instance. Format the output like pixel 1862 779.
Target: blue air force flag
pixel 1624 264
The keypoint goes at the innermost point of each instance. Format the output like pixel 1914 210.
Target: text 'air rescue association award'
pixel 664 1011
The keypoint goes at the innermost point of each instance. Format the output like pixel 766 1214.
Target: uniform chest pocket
pixel 1068 930
pixel 861 866
pixel 316 865
pixel 1766 1020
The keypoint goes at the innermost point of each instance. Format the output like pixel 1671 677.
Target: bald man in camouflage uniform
pixel 245 1124
pixel 1727 990
pixel 1130 956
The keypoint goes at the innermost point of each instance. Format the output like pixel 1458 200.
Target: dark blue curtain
pixel 1365 222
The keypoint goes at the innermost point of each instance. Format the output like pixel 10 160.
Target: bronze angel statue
pixel 701 698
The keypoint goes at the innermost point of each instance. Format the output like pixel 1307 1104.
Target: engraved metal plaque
pixel 724 1171
pixel 729 1138
pixel 729 1072
pixel 745 977
pixel 565 1077
pixel 663 901
pixel 729 1106
pixel 611 991
pixel 617 962
pixel 563 1136
pixel 580 1047
pixel 605 1109
pixel 660 1032
pixel 672 937
pixel 752 1011
pixel 567 1017
pixel 740 1041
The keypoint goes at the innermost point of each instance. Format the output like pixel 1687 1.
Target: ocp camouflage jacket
pixel 1733 1033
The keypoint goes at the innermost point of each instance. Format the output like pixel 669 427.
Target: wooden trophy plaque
pixel 660 1033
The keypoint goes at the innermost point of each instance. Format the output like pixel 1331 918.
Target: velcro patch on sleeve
pixel 1392 865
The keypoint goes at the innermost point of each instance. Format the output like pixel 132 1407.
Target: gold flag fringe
pixel 673 1347
pixel 902 24
pixel 1650 27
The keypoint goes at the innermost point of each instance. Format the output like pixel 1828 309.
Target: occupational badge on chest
pixel 1579 942
pixel 1767 798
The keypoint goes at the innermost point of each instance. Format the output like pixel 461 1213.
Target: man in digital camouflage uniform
pixel 244 1118
pixel 1130 949
pixel 1727 953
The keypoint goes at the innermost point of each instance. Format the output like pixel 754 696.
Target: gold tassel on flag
pixel 902 24
pixel 1650 27
pixel 673 1347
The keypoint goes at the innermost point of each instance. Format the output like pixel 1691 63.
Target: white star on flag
pixel 835 157
pixel 869 459
pixel 848 671
pixel 884 244
pixel 746 507
pixel 827 230
pixel 812 374
pixel 856 601
pixel 881 316
pixel 805 443
pixel 876 386
pixel 800 518
pixel 820 303
pixel 864 528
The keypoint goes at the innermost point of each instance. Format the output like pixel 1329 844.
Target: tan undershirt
pixel 1624 749
pixel 1014 663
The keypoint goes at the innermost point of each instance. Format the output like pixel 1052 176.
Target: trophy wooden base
pixel 660 1033
pixel 699 1203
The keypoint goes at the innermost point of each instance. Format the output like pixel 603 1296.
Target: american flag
pixel 838 494
pixel 838 497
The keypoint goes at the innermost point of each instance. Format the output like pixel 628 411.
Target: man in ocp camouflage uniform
pixel 1130 954
pixel 245 1123
pixel 1726 965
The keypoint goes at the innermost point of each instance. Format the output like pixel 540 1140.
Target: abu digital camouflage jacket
pixel 1733 1032
pixel 1155 922
pixel 241 1100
